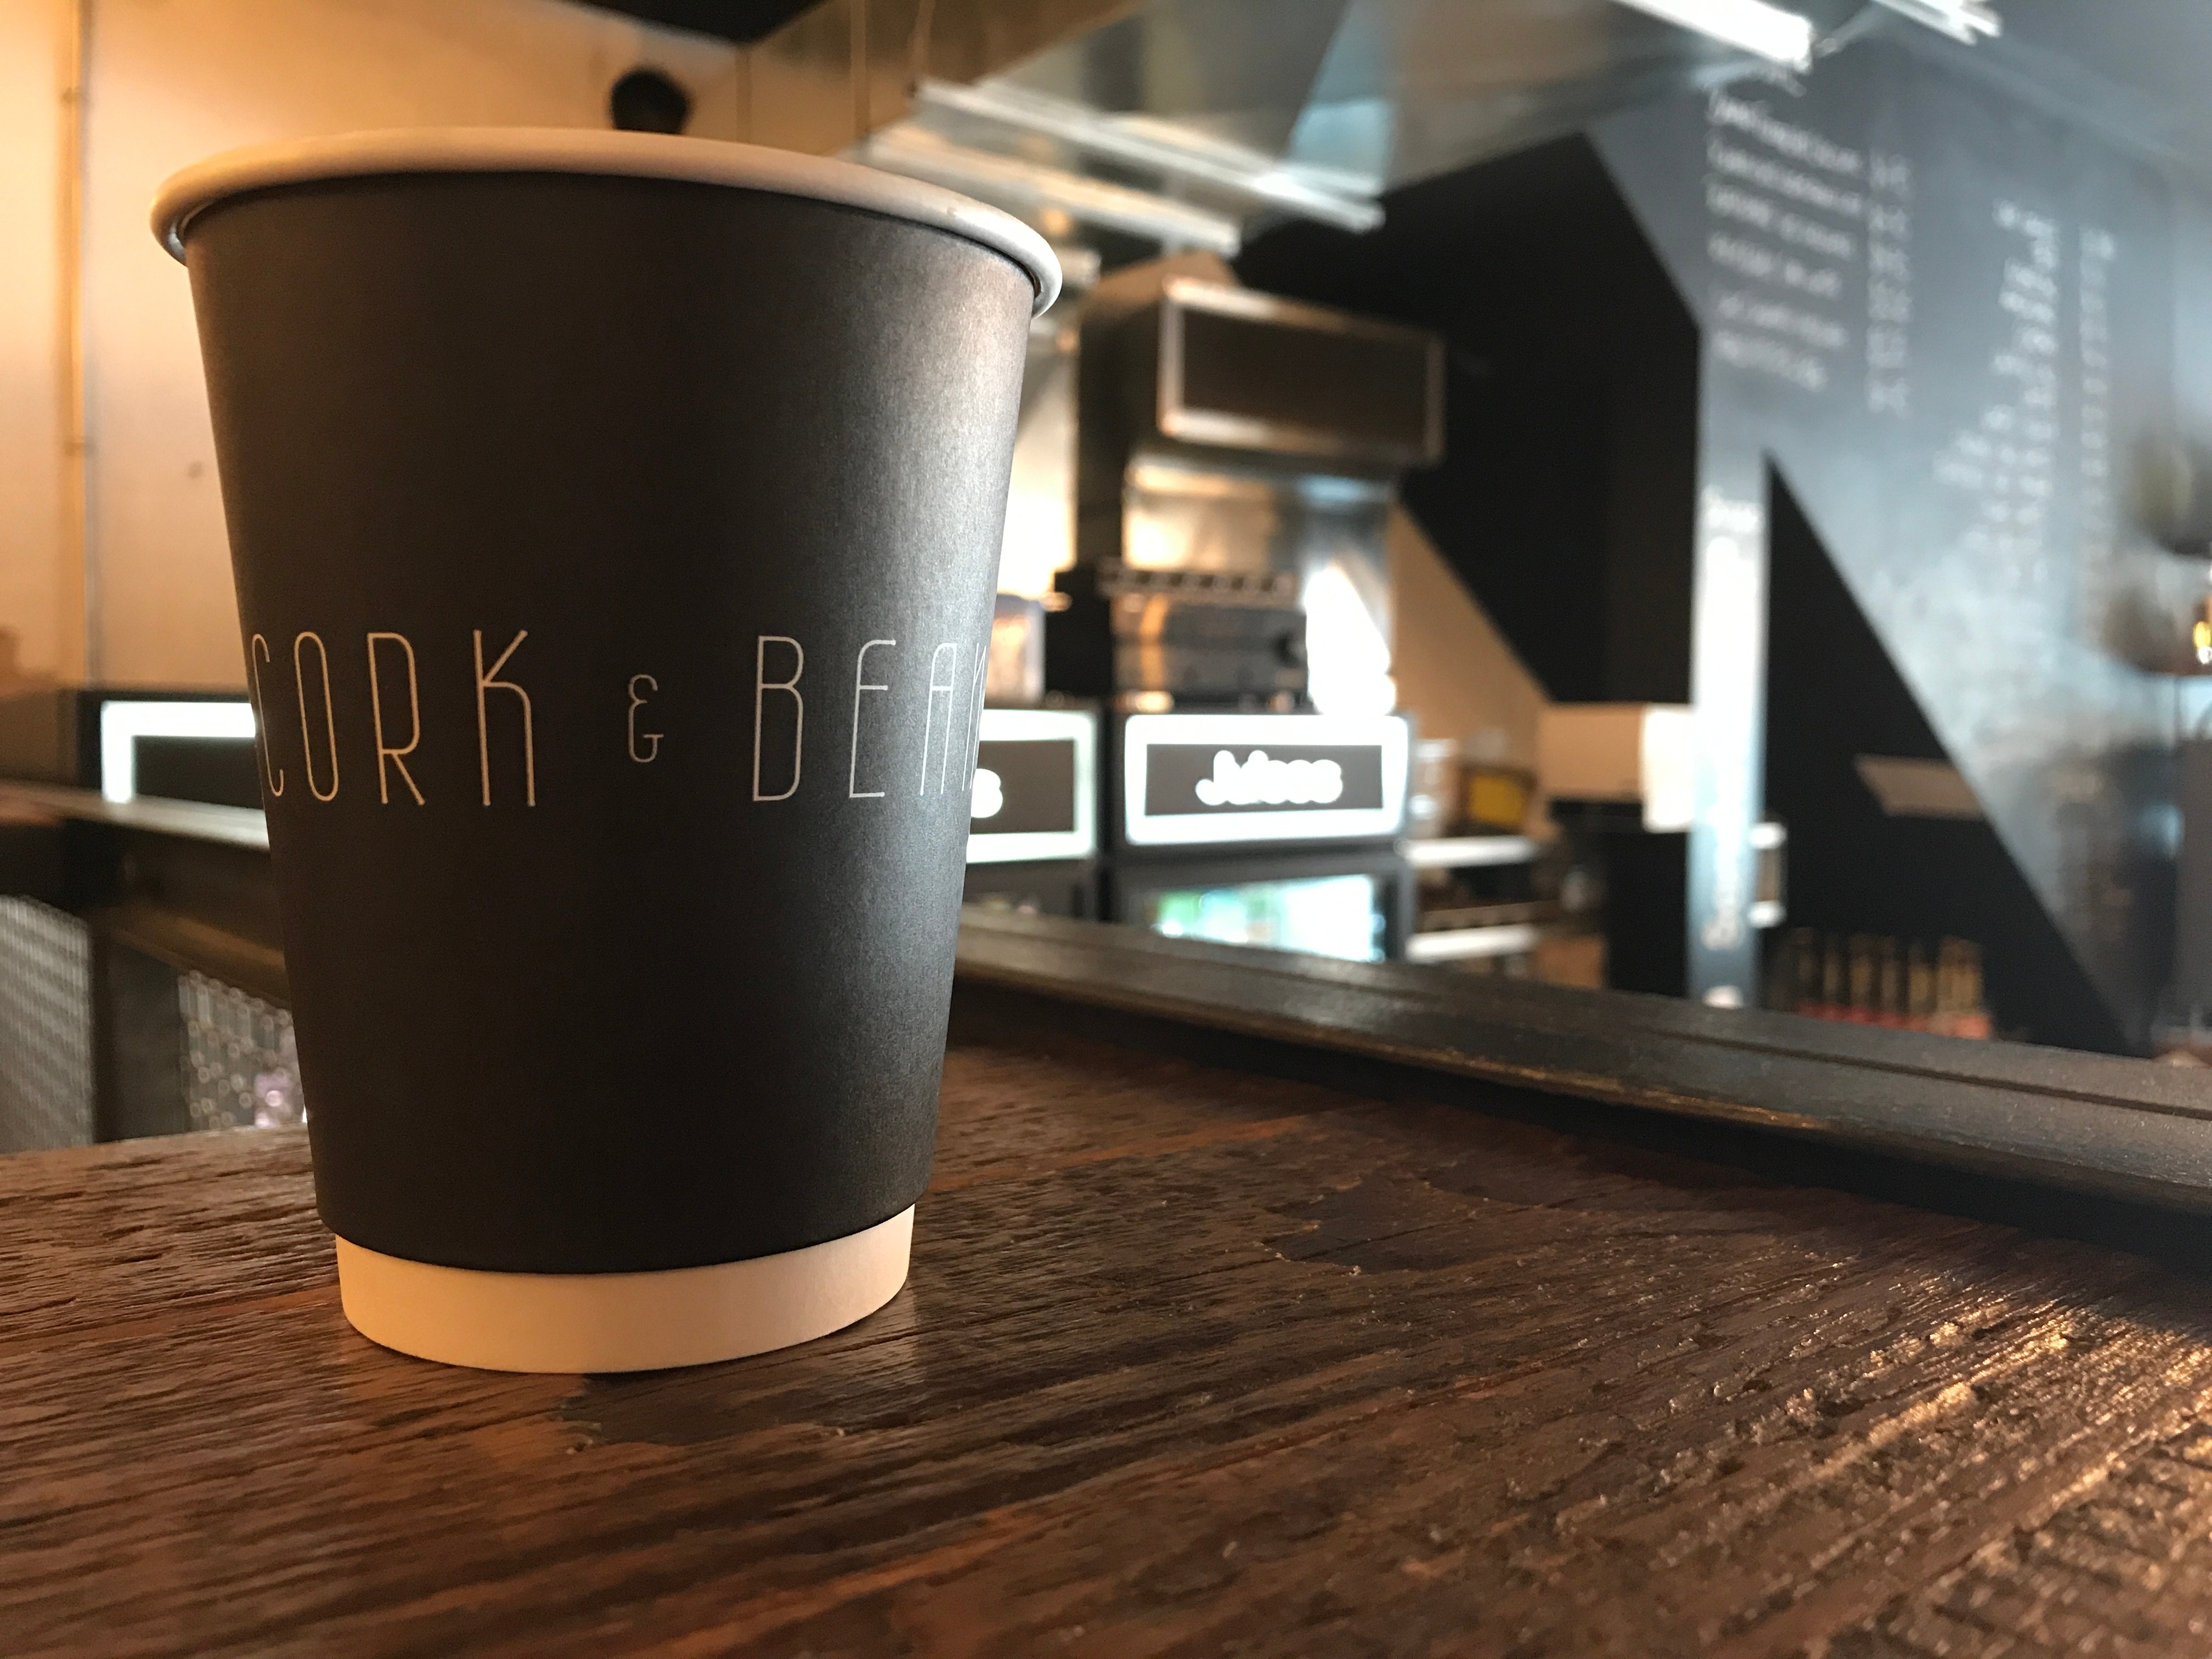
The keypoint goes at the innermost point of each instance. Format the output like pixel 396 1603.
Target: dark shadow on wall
pixel 1834 694
pixel 1566 497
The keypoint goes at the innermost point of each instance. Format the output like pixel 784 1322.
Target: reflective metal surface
pixel 1309 108
pixel 1315 107
pixel 1039 533
pixel 1185 413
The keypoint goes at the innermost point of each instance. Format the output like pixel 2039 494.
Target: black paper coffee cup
pixel 614 519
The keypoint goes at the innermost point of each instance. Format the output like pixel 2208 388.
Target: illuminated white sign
pixel 123 721
pixel 987 797
pixel 1220 780
pixel 1035 788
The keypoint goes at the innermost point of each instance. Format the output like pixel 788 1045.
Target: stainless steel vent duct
pixel 1306 108
pixel 1189 121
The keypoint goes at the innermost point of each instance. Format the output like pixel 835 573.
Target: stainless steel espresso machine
pixel 1230 607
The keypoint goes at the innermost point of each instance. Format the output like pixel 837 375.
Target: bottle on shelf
pixel 1870 979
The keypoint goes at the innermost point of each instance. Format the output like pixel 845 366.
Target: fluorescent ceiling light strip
pixel 122 723
pixel 1962 20
pixel 1248 174
pixel 1772 32
pixel 1025 187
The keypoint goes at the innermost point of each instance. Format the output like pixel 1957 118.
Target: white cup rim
pixel 623 155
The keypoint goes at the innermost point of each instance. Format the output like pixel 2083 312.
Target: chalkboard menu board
pixel 1948 320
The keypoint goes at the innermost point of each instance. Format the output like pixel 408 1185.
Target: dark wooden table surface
pixel 1193 1361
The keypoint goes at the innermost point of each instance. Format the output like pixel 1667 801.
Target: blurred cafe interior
pixel 1688 517
pixel 1734 482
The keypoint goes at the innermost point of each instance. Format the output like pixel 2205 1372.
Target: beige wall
pixel 170 81
pixel 173 80
pixel 40 597
pixel 1455 673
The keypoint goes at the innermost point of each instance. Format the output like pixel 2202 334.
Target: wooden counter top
pixel 1193 1361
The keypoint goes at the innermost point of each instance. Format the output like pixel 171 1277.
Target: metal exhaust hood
pixel 1306 108
pixel 1241 113
pixel 1191 122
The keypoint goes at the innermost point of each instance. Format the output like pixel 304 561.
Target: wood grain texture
pixel 1192 1362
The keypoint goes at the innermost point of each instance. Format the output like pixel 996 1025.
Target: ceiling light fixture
pixel 1962 20
pixel 1158 148
pixel 1772 32
pixel 1032 187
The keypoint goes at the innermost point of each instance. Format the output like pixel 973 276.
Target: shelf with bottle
pixel 1866 978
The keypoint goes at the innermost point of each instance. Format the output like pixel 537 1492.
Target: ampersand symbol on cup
pixel 637 703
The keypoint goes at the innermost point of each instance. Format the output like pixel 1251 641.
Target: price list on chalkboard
pixel 1945 318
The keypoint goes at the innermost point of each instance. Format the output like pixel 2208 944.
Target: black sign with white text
pixel 1185 778
pixel 1226 780
pixel 1024 787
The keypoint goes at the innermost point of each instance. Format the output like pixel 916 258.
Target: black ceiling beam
pixel 742 21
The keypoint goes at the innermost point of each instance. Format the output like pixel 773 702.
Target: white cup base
pixel 502 1322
